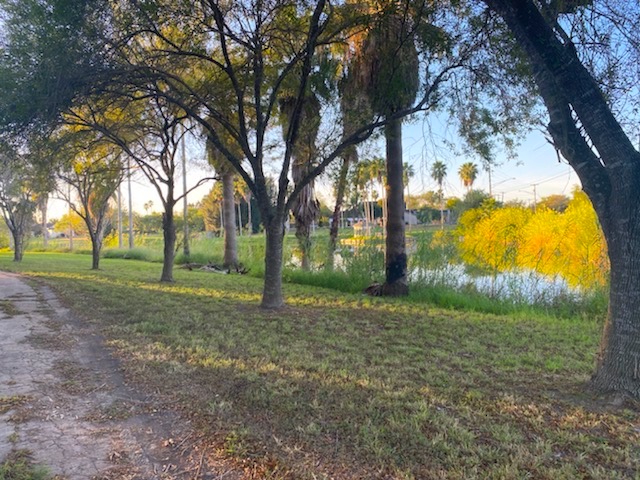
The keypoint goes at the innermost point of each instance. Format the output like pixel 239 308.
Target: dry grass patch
pixel 13 402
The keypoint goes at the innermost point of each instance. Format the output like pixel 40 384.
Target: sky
pixel 535 171
pixel 535 164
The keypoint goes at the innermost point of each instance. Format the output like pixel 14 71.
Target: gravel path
pixel 64 399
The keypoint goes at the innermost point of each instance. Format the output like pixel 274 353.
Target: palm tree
pixel 409 173
pixel 306 207
pixel 352 105
pixel 387 66
pixel 361 180
pixel 377 173
pixel 228 213
pixel 468 173
pixel 438 173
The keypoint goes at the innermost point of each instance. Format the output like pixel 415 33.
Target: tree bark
pixel 396 251
pixel 229 222
pixel 18 245
pixel 272 296
pixel 335 217
pixel 169 234
pixel 45 231
pixel 96 247
pixel 618 363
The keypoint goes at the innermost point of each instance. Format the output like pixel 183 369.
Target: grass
pixel 18 466
pixel 347 386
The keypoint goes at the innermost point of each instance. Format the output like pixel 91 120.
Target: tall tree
pixel 439 173
pixel 227 176
pixel 387 65
pixel 17 198
pixel 93 171
pixel 305 207
pixel 584 123
pixel 244 66
pixel 150 131
pixel 353 103
pixel 468 173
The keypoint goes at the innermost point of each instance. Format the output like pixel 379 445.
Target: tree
pixel 584 124
pixel 149 130
pixel 240 60
pixel 228 219
pixel 224 57
pixel 408 173
pixel 93 171
pixel 70 222
pixel 17 198
pixel 559 203
pixel 352 103
pixel 210 208
pixel 387 67
pixel 468 173
pixel 305 207
pixel 439 173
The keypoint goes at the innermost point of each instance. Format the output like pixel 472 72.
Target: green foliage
pixel 18 466
pixel 51 53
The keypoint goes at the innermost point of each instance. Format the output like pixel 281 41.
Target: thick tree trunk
pixel 18 245
pixel 335 218
pixel 169 234
pixel 229 221
pixel 608 166
pixel 96 247
pixel 618 365
pixel 396 252
pixel 272 296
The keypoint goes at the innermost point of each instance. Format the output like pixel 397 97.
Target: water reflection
pixel 519 286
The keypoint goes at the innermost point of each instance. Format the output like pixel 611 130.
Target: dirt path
pixel 64 399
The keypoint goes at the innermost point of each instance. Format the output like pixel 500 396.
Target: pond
pixel 518 286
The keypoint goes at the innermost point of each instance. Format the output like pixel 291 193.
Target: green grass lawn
pixel 347 386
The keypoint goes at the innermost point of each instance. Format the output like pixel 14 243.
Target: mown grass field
pixel 340 385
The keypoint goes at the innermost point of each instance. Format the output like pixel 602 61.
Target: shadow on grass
pixel 353 387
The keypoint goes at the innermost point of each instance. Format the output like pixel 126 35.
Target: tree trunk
pixel 396 252
pixel 618 364
pixel 250 219
pixel 18 244
pixel 272 296
pixel 96 247
pixel 585 130
pixel 441 208
pixel 305 211
pixel 45 232
pixel 335 218
pixel 169 234
pixel 229 222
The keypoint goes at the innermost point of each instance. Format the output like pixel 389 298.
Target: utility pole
pixel 185 205
pixel 70 211
pixel 130 204
pixel 535 197
pixel 119 216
